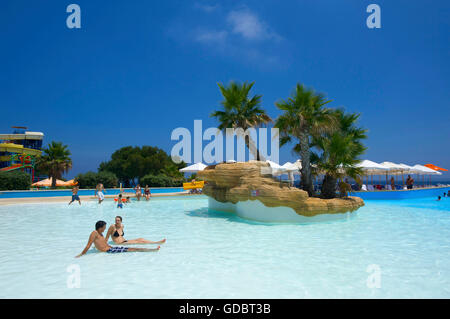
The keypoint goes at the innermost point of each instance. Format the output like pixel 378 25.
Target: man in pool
pixel 100 243
pixel 75 195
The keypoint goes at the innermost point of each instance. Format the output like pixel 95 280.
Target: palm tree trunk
pixel 251 145
pixel 306 179
pixel 53 181
pixel 329 187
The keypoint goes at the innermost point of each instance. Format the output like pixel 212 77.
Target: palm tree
pixel 304 116
pixel 340 151
pixel 241 112
pixel 55 161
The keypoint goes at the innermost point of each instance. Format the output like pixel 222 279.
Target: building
pixel 19 149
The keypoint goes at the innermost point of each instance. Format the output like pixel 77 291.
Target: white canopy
pixel 293 167
pixel 371 168
pixel 275 169
pixel 396 169
pixel 406 167
pixel 423 170
pixel 193 168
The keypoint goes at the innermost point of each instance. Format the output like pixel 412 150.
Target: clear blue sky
pixel 138 69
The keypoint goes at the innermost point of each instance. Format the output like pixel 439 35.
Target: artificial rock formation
pixel 242 181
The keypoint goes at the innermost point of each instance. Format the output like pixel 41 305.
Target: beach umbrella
pixel 69 183
pixel 436 168
pixel 293 167
pixel 396 169
pixel 371 168
pixel 48 182
pixel 423 170
pixel 275 169
pixel 194 168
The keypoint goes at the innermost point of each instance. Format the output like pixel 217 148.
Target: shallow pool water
pixel 402 247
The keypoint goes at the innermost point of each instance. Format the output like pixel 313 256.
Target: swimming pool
pixel 81 192
pixel 210 254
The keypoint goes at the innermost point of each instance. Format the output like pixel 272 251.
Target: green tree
pixel 131 164
pixel 339 152
pixel 92 179
pixel 304 116
pixel 241 111
pixel 15 180
pixel 55 161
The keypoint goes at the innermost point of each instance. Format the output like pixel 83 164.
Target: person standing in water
pixel 147 192
pixel 99 191
pixel 75 195
pixel 409 182
pixel 101 243
pixel 393 183
pixel 116 232
pixel 119 201
pixel 138 190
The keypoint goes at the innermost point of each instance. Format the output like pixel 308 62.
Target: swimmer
pixel 116 232
pixel 138 190
pixel 119 201
pixel 147 192
pixel 101 244
pixel 99 192
pixel 75 195
pixel 439 198
pixel 128 200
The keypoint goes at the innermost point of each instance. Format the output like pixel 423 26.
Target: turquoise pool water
pixel 217 255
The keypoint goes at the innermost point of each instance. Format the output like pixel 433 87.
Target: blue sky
pixel 138 69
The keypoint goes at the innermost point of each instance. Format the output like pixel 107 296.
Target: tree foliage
pixel 92 179
pixel 55 161
pixel 130 164
pixel 15 180
pixel 304 117
pixel 339 151
pixel 241 111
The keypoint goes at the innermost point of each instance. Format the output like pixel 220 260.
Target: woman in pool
pixel 147 192
pixel 138 190
pixel 116 232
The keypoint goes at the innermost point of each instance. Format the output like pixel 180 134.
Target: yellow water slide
pixel 193 185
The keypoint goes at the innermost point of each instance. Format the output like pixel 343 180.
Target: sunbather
pixel 101 244
pixel 117 234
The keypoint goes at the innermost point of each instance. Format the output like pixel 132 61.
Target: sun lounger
pixel 370 188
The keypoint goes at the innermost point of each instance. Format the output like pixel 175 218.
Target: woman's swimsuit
pixel 147 192
pixel 116 234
